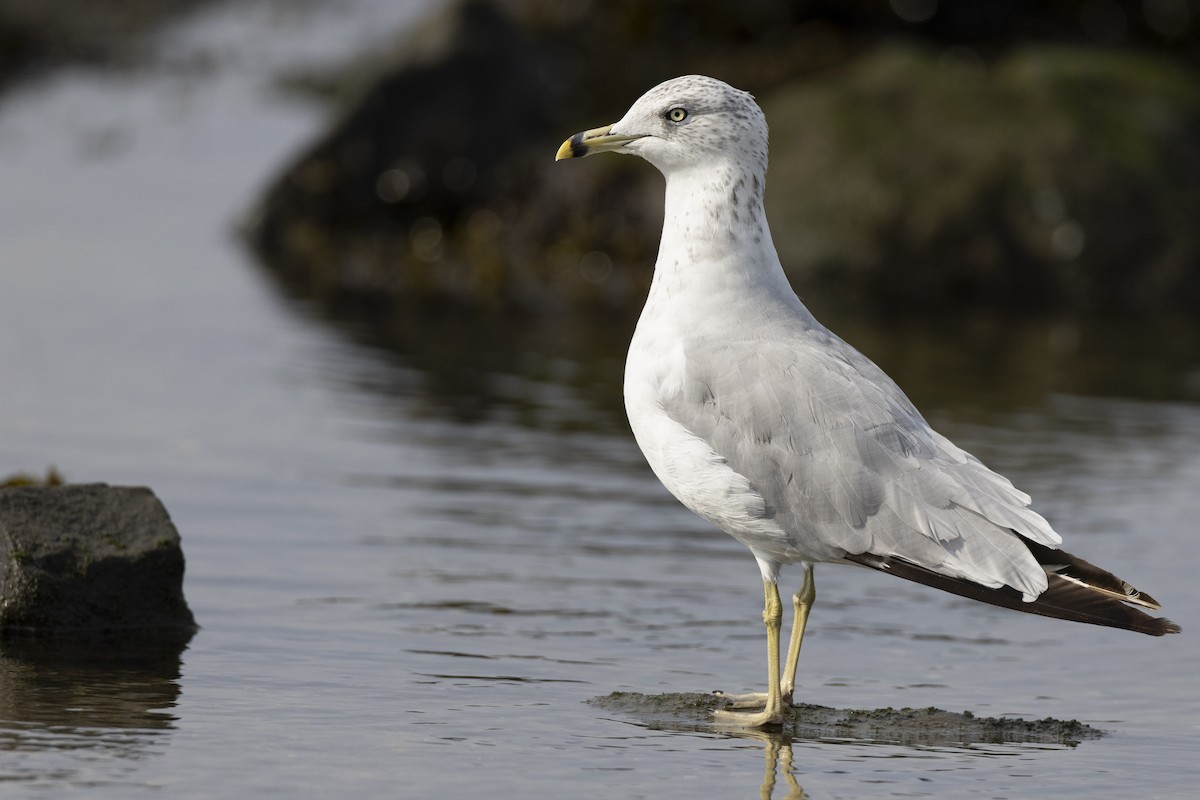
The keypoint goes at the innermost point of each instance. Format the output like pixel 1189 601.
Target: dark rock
pixel 89 558
pixel 440 184
pixel 964 170
pixel 424 149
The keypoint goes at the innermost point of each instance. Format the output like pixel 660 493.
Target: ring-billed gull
pixel 764 423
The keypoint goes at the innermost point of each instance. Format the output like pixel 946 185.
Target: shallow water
pixel 414 564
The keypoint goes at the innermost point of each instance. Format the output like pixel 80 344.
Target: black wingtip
pixel 1064 598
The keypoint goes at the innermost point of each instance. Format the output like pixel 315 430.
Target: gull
pixel 763 422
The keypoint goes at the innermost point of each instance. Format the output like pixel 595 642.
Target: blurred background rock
pixel 1040 157
pixel 1020 156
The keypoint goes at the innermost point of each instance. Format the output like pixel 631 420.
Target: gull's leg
pixel 801 603
pixel 772 714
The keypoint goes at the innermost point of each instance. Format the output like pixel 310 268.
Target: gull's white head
pixel 684 122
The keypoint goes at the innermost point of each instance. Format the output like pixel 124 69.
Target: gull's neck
pixel 712 212
pixel 716 246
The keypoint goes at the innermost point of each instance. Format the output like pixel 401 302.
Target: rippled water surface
pixel 413 564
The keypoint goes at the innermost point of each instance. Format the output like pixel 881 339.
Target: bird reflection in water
pixel 777 749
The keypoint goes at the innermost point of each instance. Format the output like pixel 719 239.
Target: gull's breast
pixel 686 464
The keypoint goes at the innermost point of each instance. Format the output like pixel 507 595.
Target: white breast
pixel 692 471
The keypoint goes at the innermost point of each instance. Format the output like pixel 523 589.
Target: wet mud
pixel 926 727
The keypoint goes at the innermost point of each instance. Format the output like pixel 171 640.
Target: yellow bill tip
pixel 572 148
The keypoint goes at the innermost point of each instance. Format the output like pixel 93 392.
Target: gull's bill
pixel 596 140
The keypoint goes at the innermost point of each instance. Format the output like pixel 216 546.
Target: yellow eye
pixel 677 115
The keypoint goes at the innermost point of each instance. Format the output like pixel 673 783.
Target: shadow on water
pixel 106 697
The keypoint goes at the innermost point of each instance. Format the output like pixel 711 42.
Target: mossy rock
pixel 1056 178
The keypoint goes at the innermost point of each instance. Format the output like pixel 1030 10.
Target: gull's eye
pixel 677 114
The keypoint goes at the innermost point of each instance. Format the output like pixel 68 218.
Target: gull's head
pixel 684 122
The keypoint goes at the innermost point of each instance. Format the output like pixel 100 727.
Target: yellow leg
pixel 772 714
pixel 801 604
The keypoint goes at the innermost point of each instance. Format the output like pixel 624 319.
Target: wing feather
pixel 845 463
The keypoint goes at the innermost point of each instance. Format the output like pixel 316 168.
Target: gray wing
pixel 842 458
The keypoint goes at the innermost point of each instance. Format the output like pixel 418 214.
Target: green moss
pixel 52 478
